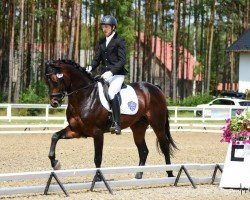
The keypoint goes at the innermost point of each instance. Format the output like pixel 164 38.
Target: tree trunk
pixel 133 68
pixel 211 31
pixel 147 48
pixel 183 63
pixel 78 28
pixel 201 52
pixel 245 15
pixel 3 41
pixel 20 56
pixel 196 16
pixel 58 31
pixel 43 41
pixel 30 70
pixel 138 67
pixel 155 40
pixel 72 32
pixel 97 23
pixel 11 45
pixel 175 48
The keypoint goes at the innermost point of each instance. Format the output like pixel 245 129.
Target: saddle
pixel 105 86
pixel 105 92
pixel 127 97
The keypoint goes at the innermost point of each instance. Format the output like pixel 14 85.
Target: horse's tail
pixel 172 145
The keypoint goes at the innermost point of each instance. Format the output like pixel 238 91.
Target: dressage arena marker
pixel 112 183
pixel 186 172
pixel 100 175
pixel 217 167
pixel 59 183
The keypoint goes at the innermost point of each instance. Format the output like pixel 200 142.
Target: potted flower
pixel 237 129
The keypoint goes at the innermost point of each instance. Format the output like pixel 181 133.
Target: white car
pixel 220 107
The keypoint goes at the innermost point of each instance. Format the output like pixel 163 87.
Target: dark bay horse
pixel 88 118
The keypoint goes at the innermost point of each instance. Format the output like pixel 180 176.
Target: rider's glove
pixel 107 75
pixel 89 69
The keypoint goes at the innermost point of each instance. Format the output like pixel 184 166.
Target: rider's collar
pixel 110 36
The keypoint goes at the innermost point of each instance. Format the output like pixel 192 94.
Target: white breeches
pixel 115 84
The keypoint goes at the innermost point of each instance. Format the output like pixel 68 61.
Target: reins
pixel 75 91
pixel 96 79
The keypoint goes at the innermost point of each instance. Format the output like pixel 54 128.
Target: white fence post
pixel 47 113
pixel 9 112
pixel 203 115
pixel 175 115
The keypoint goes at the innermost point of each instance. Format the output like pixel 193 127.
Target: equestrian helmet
pixel 109 20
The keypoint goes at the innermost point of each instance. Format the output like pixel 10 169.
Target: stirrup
pixel 115 129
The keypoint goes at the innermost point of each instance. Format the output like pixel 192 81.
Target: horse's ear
pixel 49 62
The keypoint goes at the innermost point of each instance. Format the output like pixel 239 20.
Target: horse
pixel 88 118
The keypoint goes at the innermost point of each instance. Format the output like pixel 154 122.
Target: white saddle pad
pixel 129 104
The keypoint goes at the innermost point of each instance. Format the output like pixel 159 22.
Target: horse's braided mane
pixel 73 63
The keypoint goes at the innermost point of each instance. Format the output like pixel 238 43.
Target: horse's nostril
pixel 54 103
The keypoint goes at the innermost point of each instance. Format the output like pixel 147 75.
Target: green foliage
pixel 192 100
pixel 1 96
pixel 36 93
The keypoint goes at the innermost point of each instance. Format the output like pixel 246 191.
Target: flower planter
pixel 236 172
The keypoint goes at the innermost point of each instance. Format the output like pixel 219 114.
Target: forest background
pixel 34 31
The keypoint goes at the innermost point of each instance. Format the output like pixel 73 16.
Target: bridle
pixel 60 95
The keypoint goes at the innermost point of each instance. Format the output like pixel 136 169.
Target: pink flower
pixel 235 129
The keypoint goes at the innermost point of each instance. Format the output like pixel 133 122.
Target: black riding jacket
pixel 112 57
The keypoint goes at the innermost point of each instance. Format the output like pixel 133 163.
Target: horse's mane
pixel 74 64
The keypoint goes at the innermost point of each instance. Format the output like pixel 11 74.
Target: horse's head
pixel 54 80
pixel 65 77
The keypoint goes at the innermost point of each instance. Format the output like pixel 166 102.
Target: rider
pixel 111 53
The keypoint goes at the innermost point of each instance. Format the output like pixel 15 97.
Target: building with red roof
pixel 162 58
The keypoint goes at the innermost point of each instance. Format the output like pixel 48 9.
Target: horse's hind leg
pixel 161 130
pixel 139 130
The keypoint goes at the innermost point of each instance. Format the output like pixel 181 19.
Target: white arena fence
pixel 179 122
pixel 184 177
pixel 9 109
pixel 215 113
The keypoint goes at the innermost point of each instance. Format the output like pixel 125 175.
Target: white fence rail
pixel 52 128
pixel 112 183
pixel 181 119
pixel 215 113
pixel 8 109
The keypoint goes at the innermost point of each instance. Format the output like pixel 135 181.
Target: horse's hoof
pixel 170 174
pixel 138 175
pixel 57 166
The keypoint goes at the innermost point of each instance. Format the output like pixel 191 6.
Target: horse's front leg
pixel 62 134
pixel 98 144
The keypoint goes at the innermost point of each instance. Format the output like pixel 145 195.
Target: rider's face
pixel 107 29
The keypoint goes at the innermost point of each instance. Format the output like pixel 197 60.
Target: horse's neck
pixel 78 80
pixel 84 96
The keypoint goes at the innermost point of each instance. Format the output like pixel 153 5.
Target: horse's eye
pixel 48 79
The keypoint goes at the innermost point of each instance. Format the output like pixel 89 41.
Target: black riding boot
pixel 115 106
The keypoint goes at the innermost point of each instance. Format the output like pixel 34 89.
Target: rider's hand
pixel 107 75
pixel 89 69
